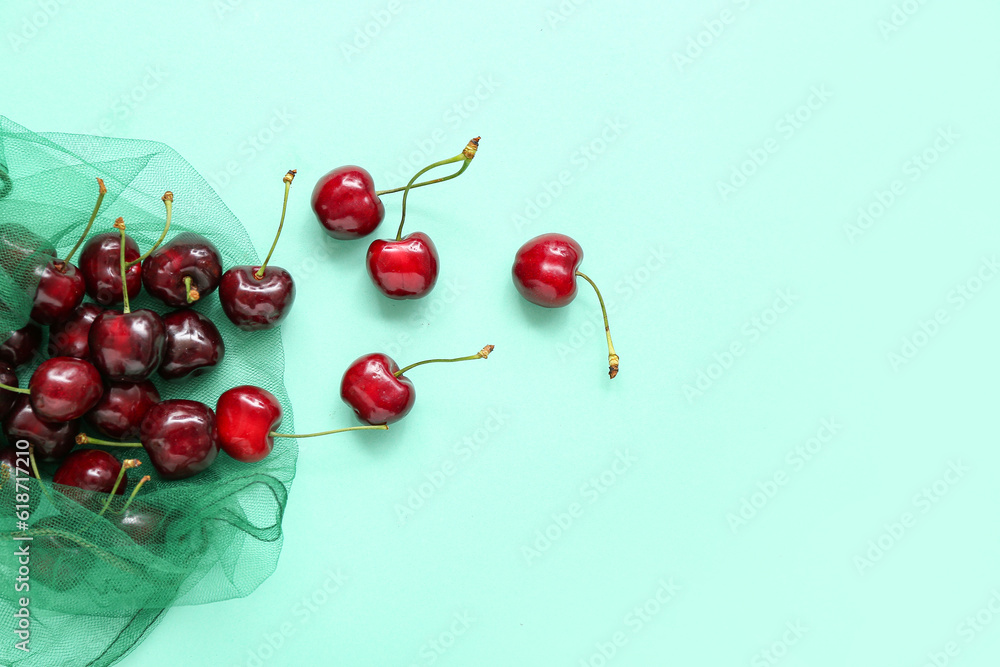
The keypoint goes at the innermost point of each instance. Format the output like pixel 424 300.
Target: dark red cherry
pixel 60 290
pixel 376 395
pixel 64 389
pixel 247 416
pixel 91 470
pixel 101 268
pixel 545 268
pixel 70 338
pixel 122 408
pixel 52 440
pixel 180 437
pixel 7 398
pixel 251 303
pixel 193 345
pixel 187 255
pixel 127 347
pixel 21 346
pixel 345 203
pixel 403 269
pixel 145 523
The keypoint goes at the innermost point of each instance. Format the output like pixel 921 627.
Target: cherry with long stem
pixel 259 273
pixel 274 434
pixel 102 190
pixel 612 357
pixel 127 464
pixel 482 354
pixel 465 156
pixel 168 202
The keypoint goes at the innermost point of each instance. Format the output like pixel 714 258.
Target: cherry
pixel 545 272
pixel 144 523
pixel 180 437
pixel 127 346
pixel 403 269
pixel 247 418
pixel 346 204
pixel 374 386
pixel 183 270
pixel 21 346
pixel 259 297
pixel 122 407
pixel 193 345
pixel 70 338
pixel 7 398
pixel 51 441
pixel 101 273
pixel 61 285
pixel 91 470
pixel 407 267
pixel 62 389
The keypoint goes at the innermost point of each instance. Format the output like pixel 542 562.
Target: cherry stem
pixel 120 226
pixel 168 202
pixel 482 354
pixel 259 273
pixel 466 155
pixel 128 502
pixel 382 427
pixel 127 464
pixel 191 292
pixel 84 439
pixel 34 469
pixel 101 191
pixel 379 193
pixel 16 390
pixel 612 357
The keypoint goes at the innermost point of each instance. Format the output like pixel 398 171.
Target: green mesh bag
pixel 96 590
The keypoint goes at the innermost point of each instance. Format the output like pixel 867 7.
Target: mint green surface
pixel 791 208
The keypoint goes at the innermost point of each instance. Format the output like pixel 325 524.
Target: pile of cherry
pixel 102 354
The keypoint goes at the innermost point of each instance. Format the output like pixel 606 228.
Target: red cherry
pixel 70 338
pixel 403 269
pixel 121 408
pixel 193 345
pixel 377 396
pixel 346 204
pixel 180 437
pixel 21 346
pixel 91 470
pixel 64 388
pixel 545 270
pixel 52 441
pixel 182 270
pixel 99 264
pixel 247 416
pixel 253 303
pixel 60 290
pixel 128 346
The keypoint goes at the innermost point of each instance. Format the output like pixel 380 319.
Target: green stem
pixel 482 354
pixel 379 193
pixel 337 430
pixel 128 502
pixel 612 357
pixel 191 293
pixel 34 469
pixel 467 154
pixel 101 191
pixel 168 202
pixel 127 464
pixel 120 224
pixel 16 390
pixel 84 439
pixel 259 273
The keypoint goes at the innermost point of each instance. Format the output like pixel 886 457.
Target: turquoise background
pixel 797 464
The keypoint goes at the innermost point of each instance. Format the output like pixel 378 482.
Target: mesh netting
pixel 96 589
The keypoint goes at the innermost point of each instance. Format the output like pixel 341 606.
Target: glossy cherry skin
pixel 7 398
pixel 144 523
pixel 403 269
pixel 21 346
pixel 70 338
pixel 544 270
pixel 253 304
pixel 193 345
pixel 60 290
pixel 99 264
pixel 246 416
pixel 121 409
pixel 127 347
pixel 375 394
pixel 91 470
pixel 187 255
pixel 345 203
pixel 64 389
pixel 181 437
pixel 52 440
